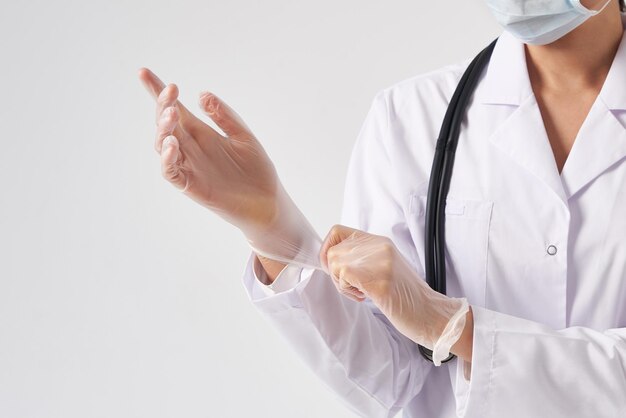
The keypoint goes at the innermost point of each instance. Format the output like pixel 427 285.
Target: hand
pixel 230 174
pixel 370 266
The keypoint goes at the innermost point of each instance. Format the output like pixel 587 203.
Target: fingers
pixel 336 235
pixel 171 169
pixel 151 82
pixel 167 98
pixel 332 257
pixel 168 116
pixel 223 115
pixel 156 87
pixel 166 126
pixel 345 288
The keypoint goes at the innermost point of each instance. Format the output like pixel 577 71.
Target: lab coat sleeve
pixel 522 368
pixel 284 281
pixel 351 346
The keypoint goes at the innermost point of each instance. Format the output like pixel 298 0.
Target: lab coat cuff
pixel 472 397
pixel 286 279
pixel 271 300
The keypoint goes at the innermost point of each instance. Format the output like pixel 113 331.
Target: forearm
pixel 462 348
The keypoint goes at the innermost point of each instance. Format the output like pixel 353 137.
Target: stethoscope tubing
pixel 441 175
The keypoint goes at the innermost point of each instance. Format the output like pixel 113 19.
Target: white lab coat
pixel 549 328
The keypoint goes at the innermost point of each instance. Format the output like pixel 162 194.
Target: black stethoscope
pixel 440 176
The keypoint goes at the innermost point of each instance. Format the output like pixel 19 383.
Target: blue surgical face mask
pixel 540 22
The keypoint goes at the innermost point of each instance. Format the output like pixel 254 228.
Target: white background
pixel 119 297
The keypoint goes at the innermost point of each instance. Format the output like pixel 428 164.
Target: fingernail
pixel 209 102
pixel 211 105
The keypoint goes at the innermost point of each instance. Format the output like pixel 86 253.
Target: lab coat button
pixel 551 250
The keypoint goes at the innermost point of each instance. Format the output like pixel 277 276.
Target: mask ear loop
pixel 586 11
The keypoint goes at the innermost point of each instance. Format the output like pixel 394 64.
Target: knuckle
pixel 335 229
pixel 169 172
pixel 386 266
pixel 332 232
pixel 167 116
pixel 163 98
pixel 332 255
pixel 162 132
pixel 387 247
pixel 347 270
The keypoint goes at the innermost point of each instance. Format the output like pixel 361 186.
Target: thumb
pixel 223 115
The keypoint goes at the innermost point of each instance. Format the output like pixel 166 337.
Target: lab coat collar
pixel 523 138
pixel 507 82
pixel 600 144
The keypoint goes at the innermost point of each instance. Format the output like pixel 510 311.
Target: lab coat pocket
pixel 467 240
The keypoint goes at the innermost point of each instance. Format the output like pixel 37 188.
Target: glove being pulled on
pixel 364 265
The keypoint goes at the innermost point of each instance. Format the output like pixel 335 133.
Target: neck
pixel 582 58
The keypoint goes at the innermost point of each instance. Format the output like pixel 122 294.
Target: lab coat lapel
pixel 601 143
pixel 523 138
pixel 522 135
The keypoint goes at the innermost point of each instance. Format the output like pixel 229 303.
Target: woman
pixel 535 229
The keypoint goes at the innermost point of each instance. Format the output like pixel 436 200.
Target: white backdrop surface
pixel 121 298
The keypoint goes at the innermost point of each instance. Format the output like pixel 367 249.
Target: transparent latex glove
pixel 230 174
pixel 364 265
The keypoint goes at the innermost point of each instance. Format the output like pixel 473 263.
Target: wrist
pixel 463 347
pixel 450 326
pixel 272 268
pixel 286 237
pixel 442 309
